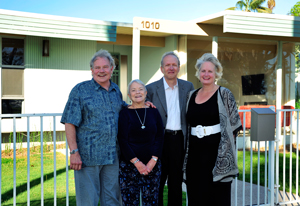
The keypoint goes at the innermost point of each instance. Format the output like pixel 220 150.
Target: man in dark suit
pixel 169 95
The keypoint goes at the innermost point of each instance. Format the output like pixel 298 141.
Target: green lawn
pixel 166 197
pixel 35 179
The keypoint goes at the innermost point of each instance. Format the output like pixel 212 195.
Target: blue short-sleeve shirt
pixel 95 112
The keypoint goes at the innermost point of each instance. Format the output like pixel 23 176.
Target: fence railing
pixel 244 193
pixel 261 197
pixel 14 132
pixel 282 197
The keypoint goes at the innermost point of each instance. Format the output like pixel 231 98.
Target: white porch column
pixel 279 76
pixel 290 88
pixel 182 52
pixel 272 176
pixel 293 78
pixel 214 49
pixel 135 50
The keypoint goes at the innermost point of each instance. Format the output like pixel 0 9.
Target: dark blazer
pixel 156 94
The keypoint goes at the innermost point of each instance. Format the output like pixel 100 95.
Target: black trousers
pixel 214 194
pixel 172 162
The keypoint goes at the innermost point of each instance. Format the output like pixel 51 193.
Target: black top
pixel 205 114
pixel 137 142
pixel 203 152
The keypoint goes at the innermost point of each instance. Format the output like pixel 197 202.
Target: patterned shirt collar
pixel 98 86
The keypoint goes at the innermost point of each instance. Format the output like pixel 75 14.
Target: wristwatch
pixel 74 151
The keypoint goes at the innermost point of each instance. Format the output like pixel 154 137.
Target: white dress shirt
pixel 172 99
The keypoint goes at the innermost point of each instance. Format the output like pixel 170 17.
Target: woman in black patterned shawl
pixel 213 120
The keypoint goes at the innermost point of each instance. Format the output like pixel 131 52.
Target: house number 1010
pixel 152 25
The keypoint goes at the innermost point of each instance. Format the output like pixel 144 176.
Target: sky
pixel 125 10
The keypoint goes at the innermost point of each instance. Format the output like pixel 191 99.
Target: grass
pixel 262 169
pixel 166 197
pixel 254 169
pixel 35 180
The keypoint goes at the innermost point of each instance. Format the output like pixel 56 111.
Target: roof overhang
pixel 226 22
pixel 24 23
pixel 253 23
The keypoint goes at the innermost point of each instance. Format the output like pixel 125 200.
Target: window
pixel 116 74
pixel 12 51
pixel 12 83
pixel 11 106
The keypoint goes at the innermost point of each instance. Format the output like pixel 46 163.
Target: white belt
pixel 201 131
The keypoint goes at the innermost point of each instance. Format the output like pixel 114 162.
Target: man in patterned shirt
pixel 91 123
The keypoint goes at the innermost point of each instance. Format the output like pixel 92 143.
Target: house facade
pixel 43 56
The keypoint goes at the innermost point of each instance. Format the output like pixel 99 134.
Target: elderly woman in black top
pixel 213 120
pixel 140 136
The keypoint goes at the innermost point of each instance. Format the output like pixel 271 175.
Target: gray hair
pixel 103 54
pixel 167 54
pixel 208 57
pixel 137 81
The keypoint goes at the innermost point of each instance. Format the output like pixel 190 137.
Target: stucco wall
pixel 68 54
pixel 150 58
pixel 49 80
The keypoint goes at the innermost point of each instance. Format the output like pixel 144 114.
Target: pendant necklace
pixel 143 126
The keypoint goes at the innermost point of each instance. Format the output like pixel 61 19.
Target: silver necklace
pixel 143 126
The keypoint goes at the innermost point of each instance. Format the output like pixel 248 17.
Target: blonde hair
pixel 208 57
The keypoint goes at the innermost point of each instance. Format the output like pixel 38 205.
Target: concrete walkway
pixel 255 195
pixel 256 198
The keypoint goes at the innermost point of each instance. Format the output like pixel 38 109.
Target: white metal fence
pixel 282 197
pixel 243 193
pixel 266 199
pixel 14 131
